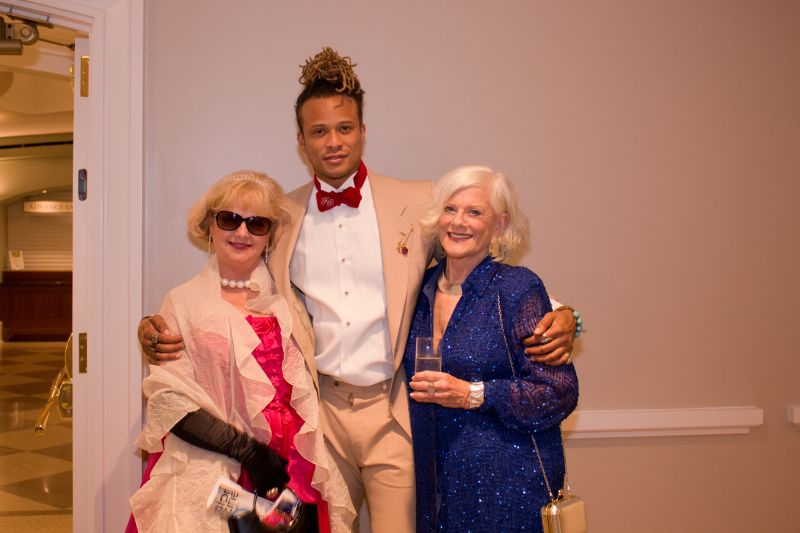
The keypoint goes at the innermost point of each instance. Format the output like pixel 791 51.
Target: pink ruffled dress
pixel 283 420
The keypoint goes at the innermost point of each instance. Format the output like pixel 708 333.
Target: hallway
pixel 35 471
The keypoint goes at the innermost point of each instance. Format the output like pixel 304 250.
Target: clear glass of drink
pixel 427 358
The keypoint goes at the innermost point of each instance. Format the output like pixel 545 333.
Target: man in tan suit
pixel 352 258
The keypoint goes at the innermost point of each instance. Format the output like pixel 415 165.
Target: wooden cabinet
pixel 36 305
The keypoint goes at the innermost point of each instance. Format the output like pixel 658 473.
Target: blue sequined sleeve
pixel 541 396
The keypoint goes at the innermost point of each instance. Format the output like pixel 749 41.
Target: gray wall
pixel 655 148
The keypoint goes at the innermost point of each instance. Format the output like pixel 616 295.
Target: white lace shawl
pixel 174 499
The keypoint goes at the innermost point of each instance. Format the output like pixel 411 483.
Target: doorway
pixel 36 111
pixel 107 254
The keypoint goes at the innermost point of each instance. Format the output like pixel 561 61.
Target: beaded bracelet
pixel 578 320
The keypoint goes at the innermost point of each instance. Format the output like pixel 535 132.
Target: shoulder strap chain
pixel 533 438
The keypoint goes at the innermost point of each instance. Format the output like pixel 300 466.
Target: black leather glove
pixel 266 468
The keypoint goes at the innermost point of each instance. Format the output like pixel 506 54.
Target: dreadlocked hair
pixel 329 74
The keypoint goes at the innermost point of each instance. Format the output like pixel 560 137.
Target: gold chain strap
pixel 533 439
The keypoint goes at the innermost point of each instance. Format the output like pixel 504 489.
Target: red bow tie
pixel 350 196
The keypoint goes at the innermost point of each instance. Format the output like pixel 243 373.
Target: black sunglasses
pixel 230 221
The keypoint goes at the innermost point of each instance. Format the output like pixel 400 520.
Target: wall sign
pixel 47 206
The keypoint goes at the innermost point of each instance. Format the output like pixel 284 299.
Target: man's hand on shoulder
pixel 159 344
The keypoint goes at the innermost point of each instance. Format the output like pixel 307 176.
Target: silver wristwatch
pixel 475 394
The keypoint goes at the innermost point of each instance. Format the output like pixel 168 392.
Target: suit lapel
pixel 392 227
pixel 279 259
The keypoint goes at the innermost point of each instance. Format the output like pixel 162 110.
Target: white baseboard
pixel 665 422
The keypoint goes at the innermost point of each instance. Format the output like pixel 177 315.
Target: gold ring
pixel 154 341
pixel 569 358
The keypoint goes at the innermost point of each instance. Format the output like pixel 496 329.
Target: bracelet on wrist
pixel 475 394
pixel 578 320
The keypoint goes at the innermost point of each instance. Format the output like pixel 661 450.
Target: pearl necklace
pixel 234 284
pixel 445 287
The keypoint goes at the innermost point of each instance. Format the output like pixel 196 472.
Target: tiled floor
pixel 35 471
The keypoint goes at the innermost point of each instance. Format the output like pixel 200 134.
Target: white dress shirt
pixel 337 264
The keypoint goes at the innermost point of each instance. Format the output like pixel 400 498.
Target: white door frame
pixel 107 256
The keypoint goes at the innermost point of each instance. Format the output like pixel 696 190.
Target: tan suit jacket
pixel 398 206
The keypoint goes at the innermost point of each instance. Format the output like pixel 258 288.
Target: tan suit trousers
pixel 372 451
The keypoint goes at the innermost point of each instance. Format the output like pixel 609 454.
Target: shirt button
pixel 348 324
pixel 342 259
pixel 347 293
pixel 340 226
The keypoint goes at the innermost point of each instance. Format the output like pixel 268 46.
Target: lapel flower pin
pixel 402 244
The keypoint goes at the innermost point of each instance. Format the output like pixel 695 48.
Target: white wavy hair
pixel 502 199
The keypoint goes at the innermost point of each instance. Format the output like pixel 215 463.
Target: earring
pixel 266 253
pixel 209 244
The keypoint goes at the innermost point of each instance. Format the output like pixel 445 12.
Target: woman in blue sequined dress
pixel 472 422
